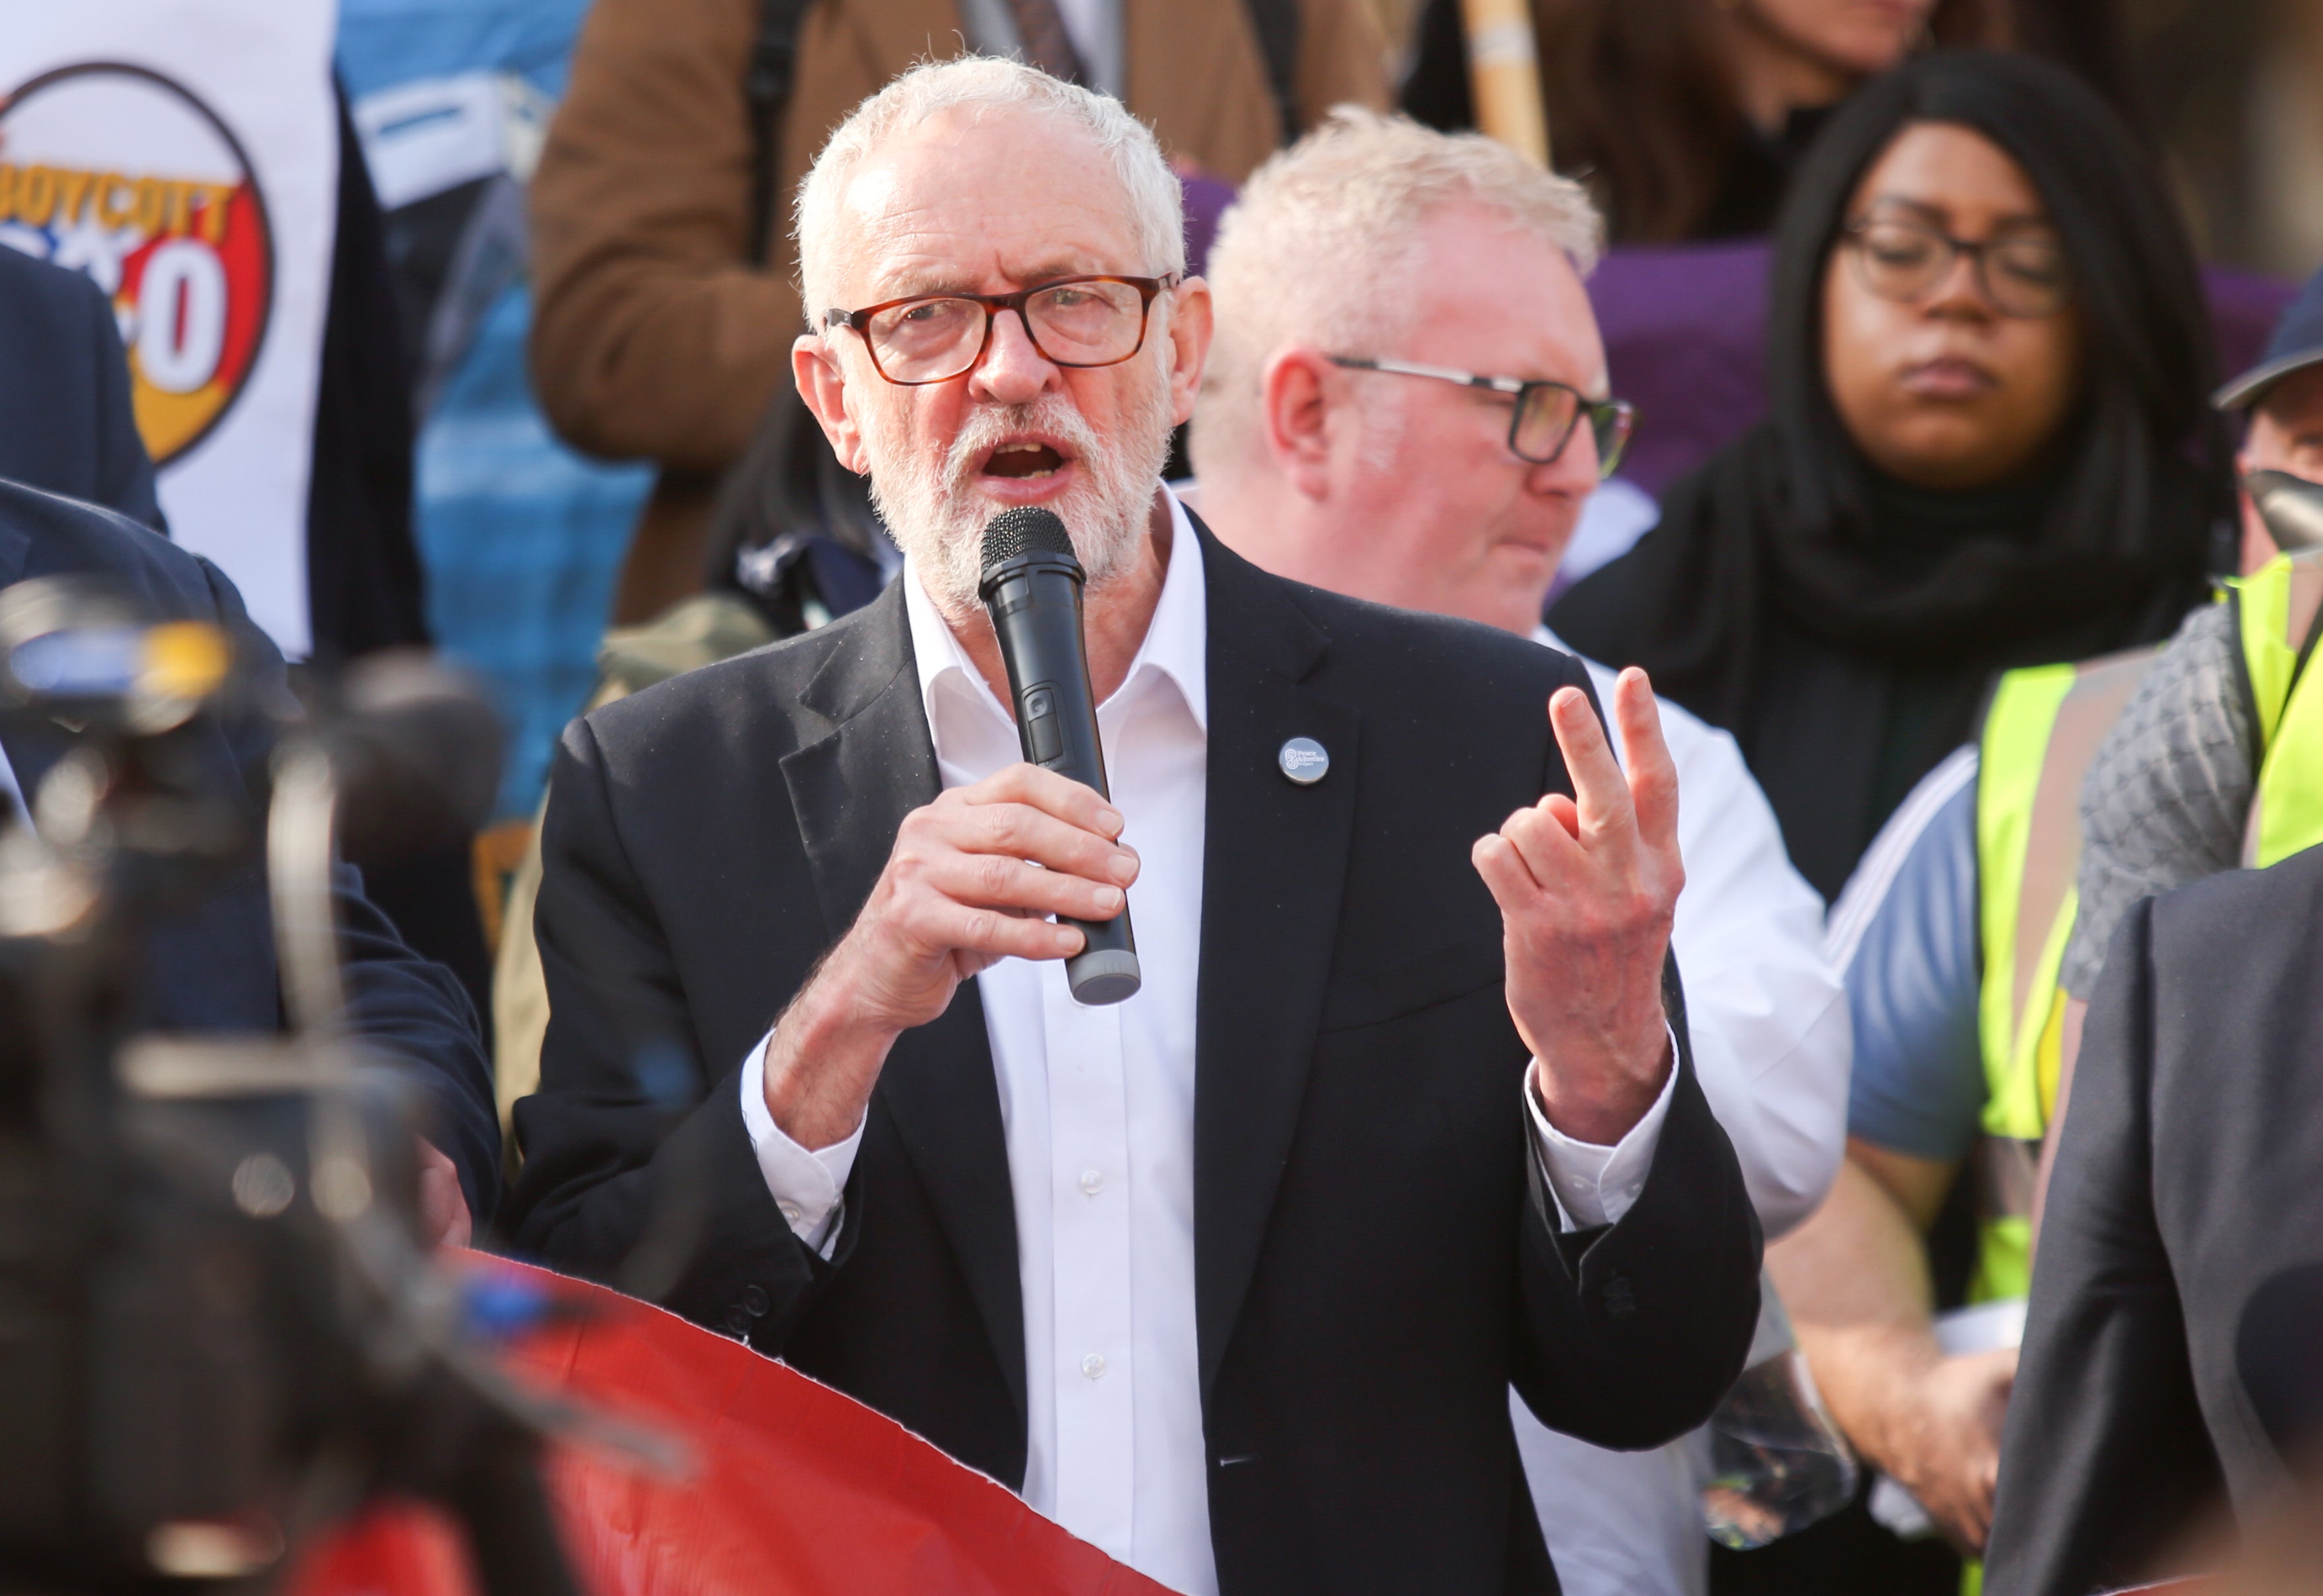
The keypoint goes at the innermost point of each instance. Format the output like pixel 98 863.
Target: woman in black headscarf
pixel 1989 446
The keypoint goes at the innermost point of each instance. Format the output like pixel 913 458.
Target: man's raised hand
pixel 970 881
pixel 1587 886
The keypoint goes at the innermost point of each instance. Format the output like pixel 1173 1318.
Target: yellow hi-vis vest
pixel 2040 735
pixel 2275 611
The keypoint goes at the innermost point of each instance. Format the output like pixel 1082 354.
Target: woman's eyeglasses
pixel 2019 274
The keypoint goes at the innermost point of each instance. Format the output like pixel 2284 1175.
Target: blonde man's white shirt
pixel 1772 1047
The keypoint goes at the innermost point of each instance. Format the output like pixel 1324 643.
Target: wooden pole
pixel 1504 75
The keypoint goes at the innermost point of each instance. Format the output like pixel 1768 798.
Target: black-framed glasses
pixel 1073 321
pixel 1548 414
pixel 2025 275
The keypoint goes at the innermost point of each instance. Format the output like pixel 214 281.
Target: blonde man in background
pixel 1407 401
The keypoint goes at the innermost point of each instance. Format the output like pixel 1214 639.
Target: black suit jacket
pixel 212 968
pixel 1373 1261
pixel 65 420
pixel 2188 1177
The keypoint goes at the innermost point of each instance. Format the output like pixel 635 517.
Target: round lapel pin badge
pixel 1304 760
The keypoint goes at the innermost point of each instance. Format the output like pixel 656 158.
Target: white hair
pixel 973 85
pixel 1322 246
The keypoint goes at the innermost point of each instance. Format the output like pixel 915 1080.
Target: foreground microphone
pixel 416 749
pixel 1031 590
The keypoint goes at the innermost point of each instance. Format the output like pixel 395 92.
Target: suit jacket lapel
pixel 1274 867
pixel 851 791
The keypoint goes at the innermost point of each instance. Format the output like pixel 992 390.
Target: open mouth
pixel 1024 459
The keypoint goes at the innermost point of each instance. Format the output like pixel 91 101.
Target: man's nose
pixel 1013 372
pixel 1574 471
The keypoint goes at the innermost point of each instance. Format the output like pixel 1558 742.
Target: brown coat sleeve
pixel 1344 57
pixel 652 335
pixel 1195 73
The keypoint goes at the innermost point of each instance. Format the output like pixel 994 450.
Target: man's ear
pixel 824 386
pixel 1295 394
pixel 1190 323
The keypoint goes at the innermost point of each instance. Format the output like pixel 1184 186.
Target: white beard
pixel 936 516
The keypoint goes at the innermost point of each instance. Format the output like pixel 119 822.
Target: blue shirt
pixel 1904 937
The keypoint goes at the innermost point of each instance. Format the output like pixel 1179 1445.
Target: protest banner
pixel 184 154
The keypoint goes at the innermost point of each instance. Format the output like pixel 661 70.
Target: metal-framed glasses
pixel 2026 275
pixel 1548 414
pixel 1073 321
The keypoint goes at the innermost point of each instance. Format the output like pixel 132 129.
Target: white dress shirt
pixel 1098 1108
pixel 1772 1045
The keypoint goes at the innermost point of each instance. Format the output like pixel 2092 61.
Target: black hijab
pixel 1843 624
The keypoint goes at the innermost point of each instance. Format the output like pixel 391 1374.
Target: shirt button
pixel 1094 1366
pixel 1092 1182
pixel 790 1212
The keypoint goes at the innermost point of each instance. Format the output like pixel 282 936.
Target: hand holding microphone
pixel 974 875
pixel 1031 590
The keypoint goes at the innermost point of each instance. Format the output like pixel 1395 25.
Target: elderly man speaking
pixel 1364 280
pixel 1230 1278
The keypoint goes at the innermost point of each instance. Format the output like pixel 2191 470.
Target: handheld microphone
pixel 1031 589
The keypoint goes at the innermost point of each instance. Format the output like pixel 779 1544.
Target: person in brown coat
pixel 658 332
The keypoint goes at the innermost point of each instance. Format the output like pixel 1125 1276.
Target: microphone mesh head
pixel 1028 529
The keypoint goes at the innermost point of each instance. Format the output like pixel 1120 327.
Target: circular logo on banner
pixel 120 173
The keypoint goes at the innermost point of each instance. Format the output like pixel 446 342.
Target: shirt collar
pixel 1175 647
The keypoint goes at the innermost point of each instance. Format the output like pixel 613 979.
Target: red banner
pixel 794 1489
